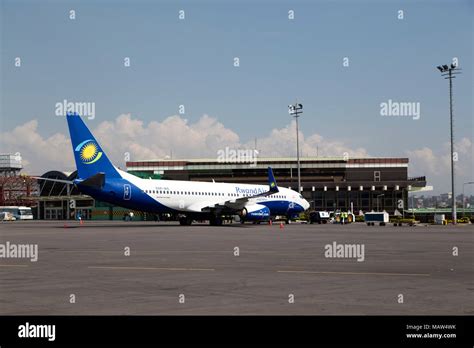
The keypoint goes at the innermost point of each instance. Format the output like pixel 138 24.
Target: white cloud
pixel 423 160
pixel 282 143
pixel 204 138
pixel 158 139
pixel 38 153
pixel 127 135
pixel 437 165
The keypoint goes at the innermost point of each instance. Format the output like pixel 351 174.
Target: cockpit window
pixel 301 196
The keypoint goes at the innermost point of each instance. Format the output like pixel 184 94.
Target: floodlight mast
pixel 295 111
pixel 449 72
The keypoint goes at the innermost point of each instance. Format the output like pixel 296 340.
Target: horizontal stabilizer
pixel 54 180
pixel 97 181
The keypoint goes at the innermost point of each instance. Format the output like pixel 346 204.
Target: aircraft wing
pixel 237 203
pixel 232 205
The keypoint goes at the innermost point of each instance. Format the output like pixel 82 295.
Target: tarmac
pixel 150 268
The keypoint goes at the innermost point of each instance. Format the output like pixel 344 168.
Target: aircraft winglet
pixel 271 181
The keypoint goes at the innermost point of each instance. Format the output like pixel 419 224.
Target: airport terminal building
pixel 327 183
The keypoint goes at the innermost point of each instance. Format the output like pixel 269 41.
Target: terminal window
pixel 377 175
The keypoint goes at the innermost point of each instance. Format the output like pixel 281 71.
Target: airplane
pixel 188 200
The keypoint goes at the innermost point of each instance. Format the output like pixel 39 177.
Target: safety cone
pixel 281 225
pixel 81 221
pixel 270 222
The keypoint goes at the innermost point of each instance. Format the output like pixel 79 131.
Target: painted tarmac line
pixel 360 273
pixel 152 268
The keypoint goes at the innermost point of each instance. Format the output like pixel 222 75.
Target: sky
pixel 191 62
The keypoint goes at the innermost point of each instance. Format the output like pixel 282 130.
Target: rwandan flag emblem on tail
pixel 89 156
pixel 88 151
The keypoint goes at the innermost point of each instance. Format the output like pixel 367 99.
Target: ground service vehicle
pixel 373 217
pixel 318 217
pixel 5 216
pixel 19 212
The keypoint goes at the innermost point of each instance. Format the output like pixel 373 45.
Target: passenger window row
pixel 194 193
pixel 190 193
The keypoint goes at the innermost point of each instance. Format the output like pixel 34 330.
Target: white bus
pixel 20 213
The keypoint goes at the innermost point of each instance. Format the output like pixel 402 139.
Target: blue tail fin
pixel 90 159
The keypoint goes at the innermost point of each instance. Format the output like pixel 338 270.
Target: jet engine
pixel 255 212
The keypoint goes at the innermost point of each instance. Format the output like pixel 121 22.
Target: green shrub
pixel 464 220
pixel 403 221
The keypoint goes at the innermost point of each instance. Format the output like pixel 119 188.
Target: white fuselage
pixel 194 196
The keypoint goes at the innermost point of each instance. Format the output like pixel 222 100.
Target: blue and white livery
pixel 189 200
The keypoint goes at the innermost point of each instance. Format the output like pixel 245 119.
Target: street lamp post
pixel 413 206
pixel 463 198
pixel 381 195
pixel 449 73
pixel 295 111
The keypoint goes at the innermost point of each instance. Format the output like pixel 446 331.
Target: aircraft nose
pixel 305 204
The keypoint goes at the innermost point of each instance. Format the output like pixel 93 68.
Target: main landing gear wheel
pixel 185 221
pixel 215 221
